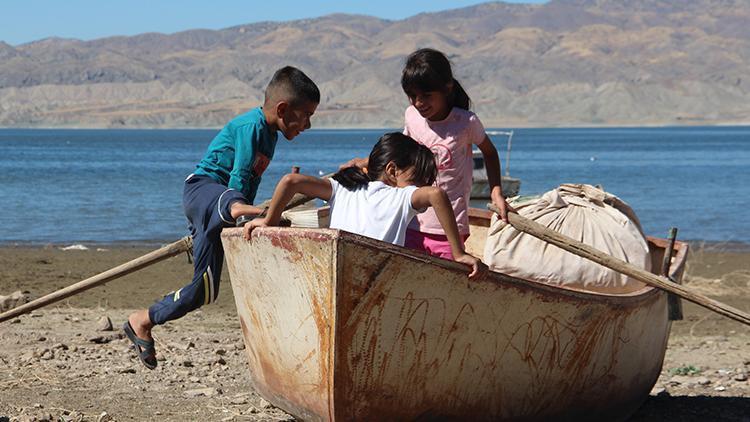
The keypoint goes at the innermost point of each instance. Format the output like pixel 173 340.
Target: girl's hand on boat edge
pixel 498 200
pixel 478 268
pixel 248 228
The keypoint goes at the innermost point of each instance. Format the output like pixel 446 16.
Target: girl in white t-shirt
pixel 381 201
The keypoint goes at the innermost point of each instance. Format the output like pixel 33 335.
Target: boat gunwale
pixel 638 296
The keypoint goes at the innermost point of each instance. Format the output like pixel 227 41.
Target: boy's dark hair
pixel 292 85
pixel 405 153
pixel 429 70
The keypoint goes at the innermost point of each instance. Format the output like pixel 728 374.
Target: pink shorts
pixel 433 244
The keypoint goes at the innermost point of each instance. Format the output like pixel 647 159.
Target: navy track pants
pixel 207 206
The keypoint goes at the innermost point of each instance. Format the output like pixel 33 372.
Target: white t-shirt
pixel 378 211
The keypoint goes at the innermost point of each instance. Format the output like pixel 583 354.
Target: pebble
pixel 61 346
pixel 658 391
pixel 104 417
pixel 740 377
pixel 238 400
pixel 720 388
pixel 253 409
pixel 264 404
pixel 104 324
pixel 189 345
pixel 13 300
pixel 187 363
pixel 47 354
pixel 100 339
pixel 681 379
pixel 41 338
pixel 207 392
pixel 703 381
pixel 44 417
pixel 221 352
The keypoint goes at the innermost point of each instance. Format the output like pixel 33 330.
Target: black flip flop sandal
pixel 144 348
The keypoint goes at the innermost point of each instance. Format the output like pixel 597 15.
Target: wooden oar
pixel 144 261
pixel 581 249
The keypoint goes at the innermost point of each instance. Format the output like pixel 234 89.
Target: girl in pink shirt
pixel 439 118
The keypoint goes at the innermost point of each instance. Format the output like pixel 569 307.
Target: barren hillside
pixel 566 62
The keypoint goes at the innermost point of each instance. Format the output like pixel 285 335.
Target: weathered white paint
pixel 341 327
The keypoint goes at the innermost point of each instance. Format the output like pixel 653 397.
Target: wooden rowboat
pixel 342 327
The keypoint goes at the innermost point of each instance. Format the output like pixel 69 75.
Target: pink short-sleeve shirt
pixel 450 140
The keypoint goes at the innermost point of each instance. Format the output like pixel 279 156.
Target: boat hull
pixel 341 327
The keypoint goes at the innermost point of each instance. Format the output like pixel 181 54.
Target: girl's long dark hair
pixel 405 153
pixel 429 70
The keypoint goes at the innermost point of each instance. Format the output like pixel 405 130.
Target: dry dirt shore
pixel 57 363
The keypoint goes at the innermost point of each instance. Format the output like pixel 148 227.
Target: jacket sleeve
pixel 245 139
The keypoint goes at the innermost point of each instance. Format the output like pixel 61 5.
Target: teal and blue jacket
pixel 240 153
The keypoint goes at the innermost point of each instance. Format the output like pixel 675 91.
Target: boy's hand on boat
pixel 248 228
pixel 477 266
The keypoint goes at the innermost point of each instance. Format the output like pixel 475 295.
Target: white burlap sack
pixel 586 214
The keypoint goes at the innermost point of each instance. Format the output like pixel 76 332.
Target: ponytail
pixel 429 70
pixel 458 97
pixel 394 147
pixel 351 178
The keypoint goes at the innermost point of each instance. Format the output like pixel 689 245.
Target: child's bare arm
pixel 494 177
pixel 355 162
pixel 238 208
pixel 437 198
pixel 285 190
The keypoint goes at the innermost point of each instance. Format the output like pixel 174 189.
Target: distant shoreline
pixel 322 128
pixel 713 246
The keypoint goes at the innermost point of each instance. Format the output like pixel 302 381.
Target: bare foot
pixel 141 324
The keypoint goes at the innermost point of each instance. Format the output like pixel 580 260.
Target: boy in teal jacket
pixel 221 189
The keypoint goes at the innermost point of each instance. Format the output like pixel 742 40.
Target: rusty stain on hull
pixel 341 327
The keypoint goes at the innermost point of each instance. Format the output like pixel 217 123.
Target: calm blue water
pixel 65 186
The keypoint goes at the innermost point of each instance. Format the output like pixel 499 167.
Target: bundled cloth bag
pixel 585 213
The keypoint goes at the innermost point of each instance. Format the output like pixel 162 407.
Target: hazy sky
pixel 23 21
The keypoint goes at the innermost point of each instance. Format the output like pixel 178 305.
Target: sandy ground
pixel 57 363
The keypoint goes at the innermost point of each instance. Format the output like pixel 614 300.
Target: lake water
pixel 109 186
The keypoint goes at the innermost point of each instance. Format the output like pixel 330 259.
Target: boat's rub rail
pixel 307 233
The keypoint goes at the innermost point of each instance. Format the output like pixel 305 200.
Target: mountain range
pixel 562 63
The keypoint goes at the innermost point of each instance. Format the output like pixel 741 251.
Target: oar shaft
pixel 581 249
pixel 160 254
